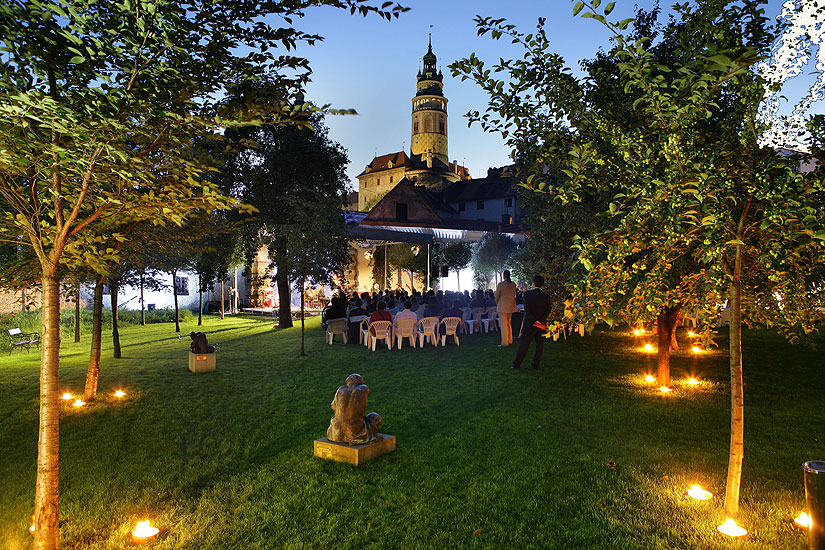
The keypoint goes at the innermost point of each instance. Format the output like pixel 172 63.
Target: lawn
pixel 580 454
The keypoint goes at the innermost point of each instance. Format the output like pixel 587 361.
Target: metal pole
pixel 814 476
pixel 386 250
pixel 428 268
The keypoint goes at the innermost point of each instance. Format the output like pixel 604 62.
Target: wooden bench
pixel 18 338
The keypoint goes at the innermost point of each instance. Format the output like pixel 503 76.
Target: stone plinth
pixel 202 362
pixel 354 454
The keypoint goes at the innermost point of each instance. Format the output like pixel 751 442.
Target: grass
pixel 486 458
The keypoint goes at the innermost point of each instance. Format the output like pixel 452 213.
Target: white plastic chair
pixel 490 323
pixel 336 326
pixel 475 323
pixel 365 332
pixel 427 328
pixel 405 328
pixel 451 325
pixel 382 332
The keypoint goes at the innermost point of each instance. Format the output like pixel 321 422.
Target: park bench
pixel 18 338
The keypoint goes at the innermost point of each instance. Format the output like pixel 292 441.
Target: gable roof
pixel 383 162
pixel 421 208
pixel 491 187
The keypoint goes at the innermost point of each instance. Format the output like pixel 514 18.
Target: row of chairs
pixel 427 329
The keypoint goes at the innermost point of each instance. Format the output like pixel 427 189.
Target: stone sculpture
pixel 199 344
pixel 350 425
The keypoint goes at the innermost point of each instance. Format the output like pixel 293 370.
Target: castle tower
pixel 429 113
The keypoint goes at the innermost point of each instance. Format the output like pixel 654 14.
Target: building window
pixel 508 203
pixel 415 127
pixel 377 181
pixel 182 286
pixel 480 205
pixel 401 212
pixel 441 127
pixel 462 207
pixel 390 179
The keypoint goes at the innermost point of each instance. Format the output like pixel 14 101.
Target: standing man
pixel 537 306
pixel 506 306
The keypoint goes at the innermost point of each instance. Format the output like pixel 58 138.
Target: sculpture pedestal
pixel 202 362
pixel 353 454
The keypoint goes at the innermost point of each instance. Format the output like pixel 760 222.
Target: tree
pixel 698 213
pixel 294 177
pixel 455 256
pixel 99 105
pixel 401 257
pixel 493 253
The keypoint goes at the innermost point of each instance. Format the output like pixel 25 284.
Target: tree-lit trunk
pixel 222 311
pixel 200 301
pixel 113 286
pixel 666 325
pixel 457 281
pixel 93 370
pixel 284 301
pixel 175 294
pixel 303 282
pixel 77 313
pixel 142 303
pixel 46 492
pixel 737 395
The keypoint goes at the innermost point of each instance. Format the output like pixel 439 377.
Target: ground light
pixel 144 532
pixel 66 396
pixel 803 521
pixel 698 493
pixel 731 529
pixel 120 393
pixel 650 378
pixel 638 331
pixel 665 389
pixel 648 348
pixel 78 403
pixel 696 349
pixel 693 382
pixel 691 334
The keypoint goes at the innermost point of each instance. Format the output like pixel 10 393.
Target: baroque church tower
pixel 427 164
pixel 429 112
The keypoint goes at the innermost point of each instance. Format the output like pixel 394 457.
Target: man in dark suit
pixel 537 306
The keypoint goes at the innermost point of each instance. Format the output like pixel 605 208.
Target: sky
pixel 370 65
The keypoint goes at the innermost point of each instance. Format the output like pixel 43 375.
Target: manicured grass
pixel 486 458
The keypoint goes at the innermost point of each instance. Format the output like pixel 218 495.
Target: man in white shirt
pixel 406 313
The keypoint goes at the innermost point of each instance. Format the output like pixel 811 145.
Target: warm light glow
pixel 696 349
pixel 648 347
pixel 31 528
pixel 78 403
pixel 639 331
pixel 120 393
pixel 665 389
pixel 731 529
pixel 691 334
pixel 649 378
pixel 66 396
pixel 144 531
pixel 803 520
pixel 698 493
pixel 693 382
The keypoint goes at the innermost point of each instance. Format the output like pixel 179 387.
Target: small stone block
pixel 202 362
pixel 354 454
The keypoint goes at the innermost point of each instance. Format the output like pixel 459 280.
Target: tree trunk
pixel 113 287
pixel 142 304
pixel 46 492
pixel 457 281
pixel 175 293
pixel 222 313
pixel 284 300
pixel 200 301
pixel 737 398
pixel 666 325
pixel 93 370
pixel 303 282
pixel 77 313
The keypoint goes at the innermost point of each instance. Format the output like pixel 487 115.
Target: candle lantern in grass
pixel 144 532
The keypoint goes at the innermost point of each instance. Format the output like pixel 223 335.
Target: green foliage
pixel 493 253
pixel 655 191
pixel 454 256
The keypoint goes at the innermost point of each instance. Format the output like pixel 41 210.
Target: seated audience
pixel 380 314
